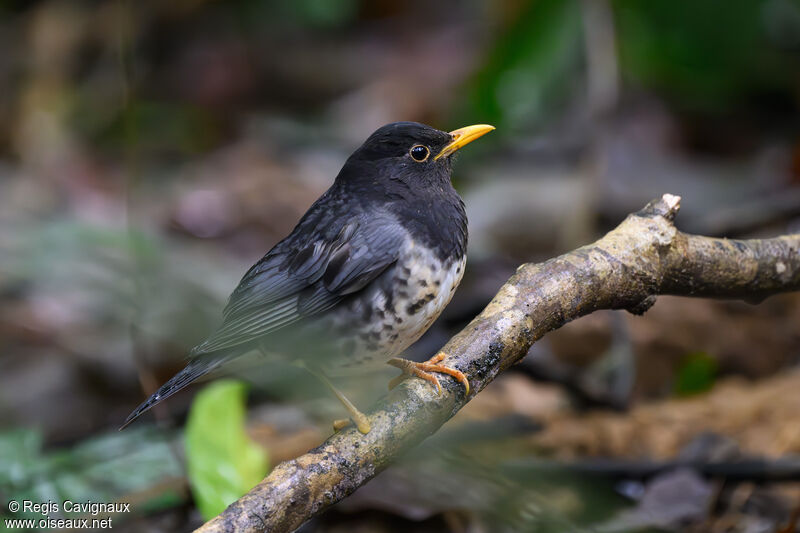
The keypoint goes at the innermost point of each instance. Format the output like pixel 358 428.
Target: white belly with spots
pixel 401 307
pixel 430 287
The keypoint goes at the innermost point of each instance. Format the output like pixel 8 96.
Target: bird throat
pixel 438 221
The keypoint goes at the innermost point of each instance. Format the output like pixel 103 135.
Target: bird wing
pixel 298 279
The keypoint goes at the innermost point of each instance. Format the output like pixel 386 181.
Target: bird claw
pixel 424 371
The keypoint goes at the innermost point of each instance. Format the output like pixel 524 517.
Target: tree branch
pixel 643 257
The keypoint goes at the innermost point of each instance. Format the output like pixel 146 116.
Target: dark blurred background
pixel 151 151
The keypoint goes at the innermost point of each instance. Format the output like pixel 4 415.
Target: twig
pixel 643 257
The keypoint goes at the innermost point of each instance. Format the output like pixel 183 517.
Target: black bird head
pixel 404 169
pixel 410 152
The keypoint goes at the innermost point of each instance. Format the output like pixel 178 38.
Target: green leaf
pixel 223 462
pixel 696 374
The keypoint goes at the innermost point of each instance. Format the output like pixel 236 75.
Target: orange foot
pixel 423 370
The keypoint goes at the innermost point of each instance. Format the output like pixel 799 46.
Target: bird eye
pixel 419 153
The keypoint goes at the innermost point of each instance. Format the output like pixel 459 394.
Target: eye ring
pixel 419 153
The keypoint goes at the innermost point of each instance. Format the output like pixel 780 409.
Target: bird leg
pixel 359 418
pixel 423 370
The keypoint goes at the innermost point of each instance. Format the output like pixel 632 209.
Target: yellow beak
pixel 462 137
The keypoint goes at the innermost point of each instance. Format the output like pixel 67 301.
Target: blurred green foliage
pixel 317 14
pixel 710 55
pixel 152 127
pixel 124 467
pixel 324 13
pixel 696 374
pixel 117 273
pixel 526 72
pixel 707 56
pixel 223 462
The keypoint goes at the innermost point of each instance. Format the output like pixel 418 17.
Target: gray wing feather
pixel 291 284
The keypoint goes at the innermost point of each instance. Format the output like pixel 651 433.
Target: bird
pixel 364 273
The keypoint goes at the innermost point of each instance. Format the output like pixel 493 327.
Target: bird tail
pixel 196 368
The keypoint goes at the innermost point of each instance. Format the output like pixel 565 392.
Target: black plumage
pixel 371 253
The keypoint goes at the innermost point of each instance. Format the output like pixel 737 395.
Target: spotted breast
pixel 397 310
